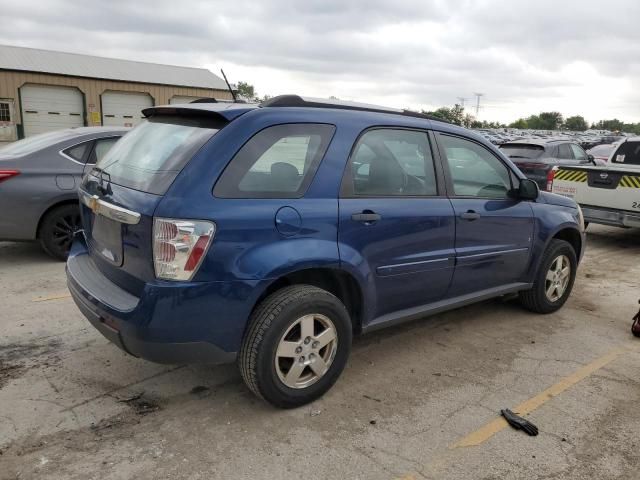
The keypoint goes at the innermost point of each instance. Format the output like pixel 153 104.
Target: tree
pixel 453 115
pixel 576 123
pixel 521 124
pixel 612 125
pixel 551 120
pixel 246 91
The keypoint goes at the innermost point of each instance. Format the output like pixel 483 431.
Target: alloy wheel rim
pixel 64 229
pixel 306 351
pixel 557 278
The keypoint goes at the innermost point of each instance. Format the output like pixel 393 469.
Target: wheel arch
pixel 59 203
pixel 337 281
pixel 572 236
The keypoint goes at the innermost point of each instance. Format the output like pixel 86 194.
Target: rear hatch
pixel 120 194
pixel 528 157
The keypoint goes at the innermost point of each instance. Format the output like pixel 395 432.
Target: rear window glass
pixel 628 153
pixel 77 152
pixel 35 143
pixel 277 162
pixel 150 156
pixel 522 150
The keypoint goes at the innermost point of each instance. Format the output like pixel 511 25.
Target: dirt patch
pixel 9 372
pixel 17 358
pixel 140 404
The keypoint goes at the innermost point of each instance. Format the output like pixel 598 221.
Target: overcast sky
pixel 577 57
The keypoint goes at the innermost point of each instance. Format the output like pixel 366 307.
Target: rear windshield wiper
pixel 102 176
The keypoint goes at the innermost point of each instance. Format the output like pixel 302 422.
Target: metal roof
pixel 77 65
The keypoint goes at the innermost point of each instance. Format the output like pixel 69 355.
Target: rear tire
pixel 296 347
pixel 553 284
pixel 57 230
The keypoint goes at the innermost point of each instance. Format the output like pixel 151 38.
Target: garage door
pixel 46 108
pixel 182 99
pixel 124 109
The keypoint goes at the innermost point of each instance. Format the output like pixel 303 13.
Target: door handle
pixel 366 217
pixel 470 215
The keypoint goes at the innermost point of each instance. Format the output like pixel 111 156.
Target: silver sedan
pixel 38 180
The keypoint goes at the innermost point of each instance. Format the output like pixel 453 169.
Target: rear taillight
pixel 7 174
pixel 179 247
pixel 550 176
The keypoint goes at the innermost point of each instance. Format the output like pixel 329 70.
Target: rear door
pixel 493 230
pixel 395 223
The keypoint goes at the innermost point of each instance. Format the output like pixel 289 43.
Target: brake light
pixel 550 176
pixel 7 174
pixel 179 247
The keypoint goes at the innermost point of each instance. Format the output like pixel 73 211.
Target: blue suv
pixel 272 234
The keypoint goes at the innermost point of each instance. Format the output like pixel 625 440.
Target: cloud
pixel 575 56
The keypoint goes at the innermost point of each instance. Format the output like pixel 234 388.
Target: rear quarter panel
pixel 26 197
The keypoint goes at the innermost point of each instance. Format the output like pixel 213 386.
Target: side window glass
pixel 475 172
pixel 278 162
pixel 77 152
pixel 564 151
pixel 101 148
pixel 578 153
pixel 391 162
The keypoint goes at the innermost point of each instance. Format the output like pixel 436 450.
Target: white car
pixel 608 194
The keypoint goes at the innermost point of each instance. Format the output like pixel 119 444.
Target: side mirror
pixel 528 189
pixel 591 159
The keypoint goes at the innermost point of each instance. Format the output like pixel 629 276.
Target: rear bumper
pixel 612 217
pixel 169 323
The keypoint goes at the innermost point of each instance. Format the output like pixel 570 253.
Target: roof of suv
pixel 231 110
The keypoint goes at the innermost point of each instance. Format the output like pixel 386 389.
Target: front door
pixel 394 225
pixel 494 229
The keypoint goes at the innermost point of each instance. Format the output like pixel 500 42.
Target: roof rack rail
pixel 309 102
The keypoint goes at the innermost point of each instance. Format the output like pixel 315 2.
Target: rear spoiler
pixel 221 111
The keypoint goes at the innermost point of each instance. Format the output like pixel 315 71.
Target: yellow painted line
pixel 490 429
pixel 52 297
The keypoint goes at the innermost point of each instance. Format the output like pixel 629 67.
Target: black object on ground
pixel 635 328
pixel 519 423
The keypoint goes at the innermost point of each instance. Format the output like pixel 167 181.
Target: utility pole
pixel 478 95
pixel 462 100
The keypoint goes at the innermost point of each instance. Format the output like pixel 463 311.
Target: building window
pixel 5 114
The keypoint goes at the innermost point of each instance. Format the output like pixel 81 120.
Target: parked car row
pixel 586 140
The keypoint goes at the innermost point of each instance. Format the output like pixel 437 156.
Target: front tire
pixel 57 230
pixel 297 345
pixel 554 281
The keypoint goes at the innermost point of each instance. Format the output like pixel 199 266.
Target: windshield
pixel 628 153
pixel 150 156
pixel 35 143
pixel 522 150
